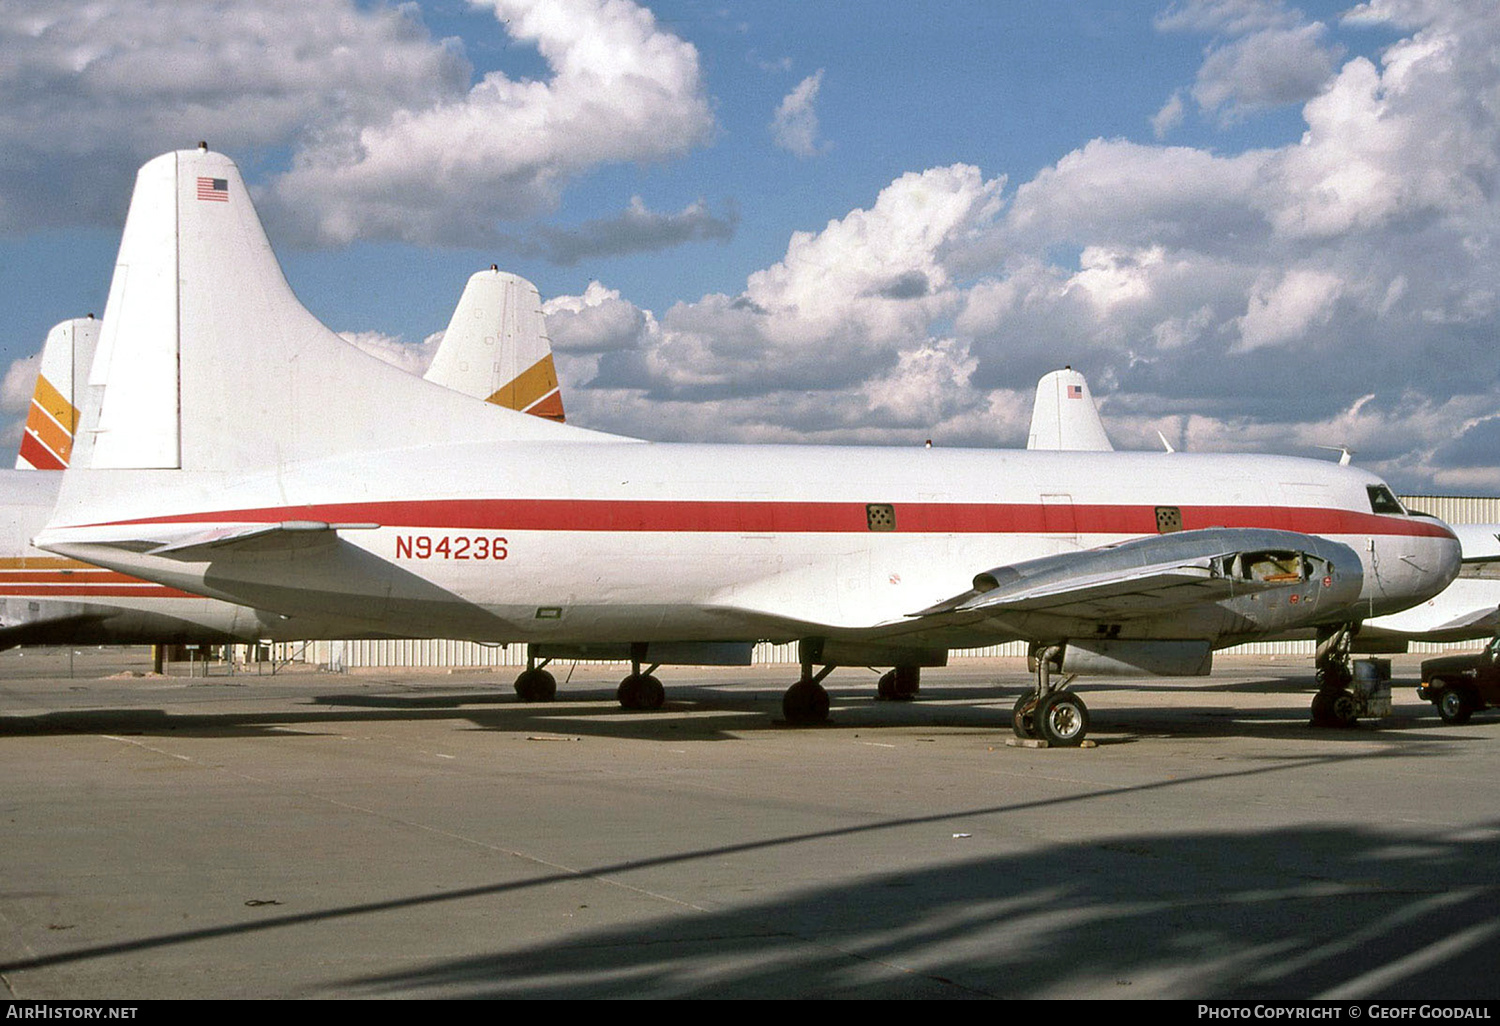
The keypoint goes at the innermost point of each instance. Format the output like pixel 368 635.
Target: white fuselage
pixel 531 541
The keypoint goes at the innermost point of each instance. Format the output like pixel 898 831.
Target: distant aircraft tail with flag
pixel 1064 416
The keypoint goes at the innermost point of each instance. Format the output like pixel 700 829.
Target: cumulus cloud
pixel 389 137
pixel 621 90
pixel 794 128
pixel 598 321
pixel 412 358
pixel 638 229
pixel 1337 290
pixel 1264 55
pixel 1272 68
pixel 1169 117
pixel 89 91
pixel 19 383
pixel 839 306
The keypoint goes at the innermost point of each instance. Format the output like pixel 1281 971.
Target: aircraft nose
pixel 1404 568
pixel 1436 561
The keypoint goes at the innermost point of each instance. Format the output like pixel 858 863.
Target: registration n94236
pixel 451 546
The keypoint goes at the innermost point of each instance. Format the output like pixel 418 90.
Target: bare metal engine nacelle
pixel 1125 658
pixel 1215 583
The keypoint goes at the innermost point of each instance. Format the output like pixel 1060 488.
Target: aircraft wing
pixel 225 541
pixel 1480 542
pixel 232 540
pixel 1150 576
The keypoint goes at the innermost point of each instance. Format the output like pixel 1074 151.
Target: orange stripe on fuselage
pixel 43 563
pixel 45 577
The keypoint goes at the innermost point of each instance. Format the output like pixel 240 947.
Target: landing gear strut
pixel 1050 713
pixel 536 684
pixel 641 690
pixel 1334 705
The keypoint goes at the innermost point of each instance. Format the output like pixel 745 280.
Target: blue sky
pixel 1253 224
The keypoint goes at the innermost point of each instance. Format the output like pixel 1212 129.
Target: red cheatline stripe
pixel 803 517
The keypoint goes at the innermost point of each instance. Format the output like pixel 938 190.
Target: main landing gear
pixel 641 690
pixel 1050 713
pixel 806 701
pixel 900 684
pixel 535 684
pixel 1335 705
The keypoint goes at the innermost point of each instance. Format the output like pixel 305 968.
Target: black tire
pixel 629 692
pixel 1023 716
pixel 906 682
pixel 1454 704
pixel 1334 709
pixel 1062 720
pixel 805 702
pixel 885 688
pixel 650 692
pixel 536 686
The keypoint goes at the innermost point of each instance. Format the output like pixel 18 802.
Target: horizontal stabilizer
pixel 1480 542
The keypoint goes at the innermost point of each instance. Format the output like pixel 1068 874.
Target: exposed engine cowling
pixel 1219 585
pixel 1192 658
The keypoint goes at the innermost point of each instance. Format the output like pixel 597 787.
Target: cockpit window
pixel 1382 501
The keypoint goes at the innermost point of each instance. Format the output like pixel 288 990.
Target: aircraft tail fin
pixel 207 361
pixel 52 420
pixel 1064 416
pixel 496 347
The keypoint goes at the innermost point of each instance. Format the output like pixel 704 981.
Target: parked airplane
pixel 495 348
pixel 418 510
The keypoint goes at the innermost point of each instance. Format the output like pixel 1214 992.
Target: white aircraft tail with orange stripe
pixel 52 420
pixel 496 347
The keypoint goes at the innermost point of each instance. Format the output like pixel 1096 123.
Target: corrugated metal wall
pixel 467 654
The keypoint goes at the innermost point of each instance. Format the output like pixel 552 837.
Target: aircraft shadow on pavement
pixel 721 713
pixel 1295 912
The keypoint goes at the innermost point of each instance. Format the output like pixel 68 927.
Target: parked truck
pixel 1461 685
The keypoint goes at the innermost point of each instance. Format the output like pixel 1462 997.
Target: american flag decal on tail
pixel 1075 391
pixel 215 190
